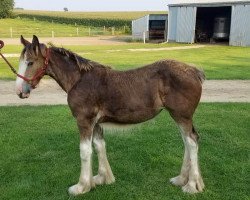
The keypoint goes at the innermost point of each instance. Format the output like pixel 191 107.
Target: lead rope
pixel 11 67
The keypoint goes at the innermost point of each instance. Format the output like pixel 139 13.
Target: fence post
pixel 104 29
pixel 11 32
pixel 113 31
pixel 124 29
pixel 77 31
pixel 52 34
pixel 89 31
pixel 144 37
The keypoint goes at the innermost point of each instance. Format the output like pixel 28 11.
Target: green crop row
pixel 90 22
pixel 125 15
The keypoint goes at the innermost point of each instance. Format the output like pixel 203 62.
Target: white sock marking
pixel 85 155
pixel 193 149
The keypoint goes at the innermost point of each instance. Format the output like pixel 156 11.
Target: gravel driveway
pixel 99 40
pixel 49 93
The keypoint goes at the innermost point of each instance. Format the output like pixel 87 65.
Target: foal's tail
pixel 201 75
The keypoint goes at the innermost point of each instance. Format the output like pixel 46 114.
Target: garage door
pixel 240 26
pixel 186 19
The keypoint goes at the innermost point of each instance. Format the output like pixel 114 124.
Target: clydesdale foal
pixel 98 95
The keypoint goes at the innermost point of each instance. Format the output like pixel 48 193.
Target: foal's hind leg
pixel 182 179
pixel 190 177
pixel 105 175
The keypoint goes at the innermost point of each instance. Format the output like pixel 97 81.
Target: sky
pixel 94 5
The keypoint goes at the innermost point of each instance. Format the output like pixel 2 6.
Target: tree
pixel 6 7
pixel 65 9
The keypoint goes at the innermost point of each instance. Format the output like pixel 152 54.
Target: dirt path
pixel 169 48
pixel 49 93
pixel 16 55
pixel 59 41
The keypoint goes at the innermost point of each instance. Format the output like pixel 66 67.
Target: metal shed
pixel 150 27
pixel 210 21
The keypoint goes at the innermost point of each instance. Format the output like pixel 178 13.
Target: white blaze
pixel 21 70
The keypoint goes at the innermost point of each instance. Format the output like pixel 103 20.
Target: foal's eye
pixel 30 64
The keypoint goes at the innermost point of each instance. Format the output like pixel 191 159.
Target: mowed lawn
pixel 218 62
pixel 39 148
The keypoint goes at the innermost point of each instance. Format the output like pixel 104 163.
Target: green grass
pixel 39 148
pixel 218 62
pixel 30 27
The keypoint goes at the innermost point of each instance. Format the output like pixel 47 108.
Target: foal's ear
pixel 43 49
pixel 24 42
pixel 35 41
pixel 36 45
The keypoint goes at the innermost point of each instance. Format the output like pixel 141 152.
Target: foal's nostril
pixel 24 95
pixel 20 95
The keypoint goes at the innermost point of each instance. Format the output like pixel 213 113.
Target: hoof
pixel 179 181
pixel 189 189
pixel 79 189
pixel 110 179
pixel 200 184
pixel 100 180
pixel 194 187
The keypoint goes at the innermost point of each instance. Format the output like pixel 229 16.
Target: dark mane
pixel 83 63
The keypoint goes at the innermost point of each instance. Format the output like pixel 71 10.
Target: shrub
pixel 6 7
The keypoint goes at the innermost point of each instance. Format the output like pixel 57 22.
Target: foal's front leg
pixel 85 181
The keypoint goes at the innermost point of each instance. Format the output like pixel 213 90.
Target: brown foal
pixel 98 95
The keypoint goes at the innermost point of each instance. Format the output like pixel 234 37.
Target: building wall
pixel 172 23
pixel 182 19
pixel 240 26
pixel 139 26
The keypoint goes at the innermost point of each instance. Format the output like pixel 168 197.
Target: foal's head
pixel 32 61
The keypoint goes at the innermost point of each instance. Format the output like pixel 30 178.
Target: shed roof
pixel 152 15
pixel 190 2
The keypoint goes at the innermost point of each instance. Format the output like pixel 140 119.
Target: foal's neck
pixel 64 71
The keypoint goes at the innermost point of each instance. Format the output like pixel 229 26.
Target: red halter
pixel 39 73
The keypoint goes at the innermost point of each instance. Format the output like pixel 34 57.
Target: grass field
pixel 119 20
pixel 218 62
pixel 64 24
pixel 39 149
pixel 30 27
